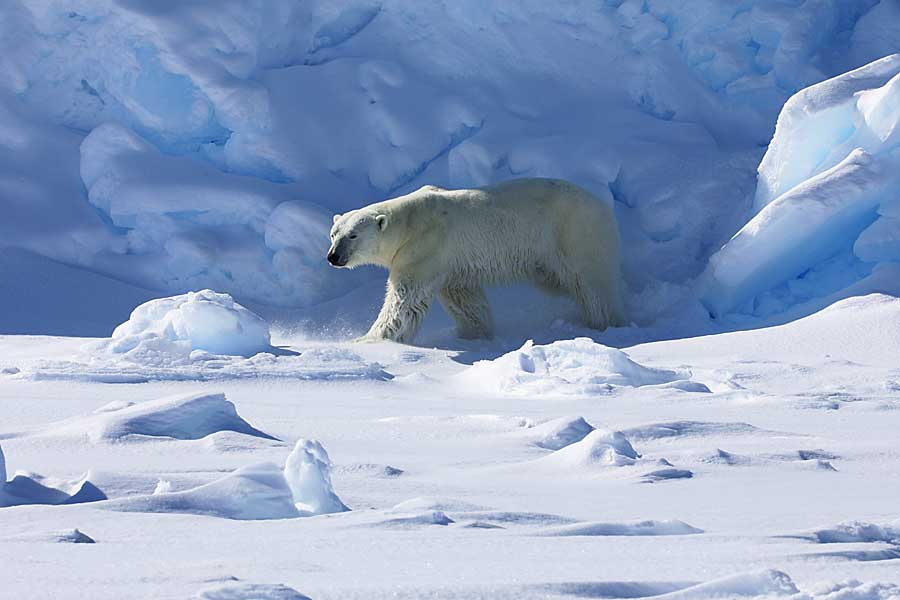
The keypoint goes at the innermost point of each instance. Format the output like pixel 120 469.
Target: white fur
pixel 452 242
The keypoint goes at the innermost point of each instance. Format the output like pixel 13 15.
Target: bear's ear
pixel 335 219
pixel 382 221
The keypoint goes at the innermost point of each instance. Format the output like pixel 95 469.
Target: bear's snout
pixel 335 259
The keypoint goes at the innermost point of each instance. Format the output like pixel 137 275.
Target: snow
pixel 566 366
pixel 181 324
pixel 180 162
pixel 308 474
pixel 183 416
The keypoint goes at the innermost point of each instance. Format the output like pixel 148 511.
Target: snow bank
pixel 181 416
pixel 858 531
pixel 579 366
pixel 308 473
pixel 169 329
pixel 828 182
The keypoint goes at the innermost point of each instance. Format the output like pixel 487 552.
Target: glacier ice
pixel 828 183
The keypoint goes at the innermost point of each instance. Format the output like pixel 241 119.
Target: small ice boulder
pixel 578 366
pixel 182 416
pixel 170 328
pixel 308 473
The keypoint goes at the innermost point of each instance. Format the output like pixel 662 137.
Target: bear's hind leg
pixel 469 308
pixel 598 298
pixel 405 305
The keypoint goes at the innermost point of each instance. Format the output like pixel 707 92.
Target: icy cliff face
pixel 188 145
pixel 829 190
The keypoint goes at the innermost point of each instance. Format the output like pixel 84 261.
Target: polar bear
pixel 452 242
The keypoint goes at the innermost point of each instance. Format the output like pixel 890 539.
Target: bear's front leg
pixel 405 305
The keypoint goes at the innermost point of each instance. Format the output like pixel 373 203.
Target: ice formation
pixel 827 184
pixel 308 473
pixel 200 145
pixel 565 367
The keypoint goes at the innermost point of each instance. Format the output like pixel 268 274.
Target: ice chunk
pixel 250 493
pixel 565 367
pixel 308 473
pixel 181 416
pixel 31 488
pixel 171 328
pixel 828 177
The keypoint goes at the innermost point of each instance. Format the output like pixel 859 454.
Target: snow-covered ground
pixel 182 414
pixel 567 470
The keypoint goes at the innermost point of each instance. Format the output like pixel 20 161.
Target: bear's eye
pixel 353 236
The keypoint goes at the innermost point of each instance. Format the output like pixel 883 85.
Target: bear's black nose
pixel 335 259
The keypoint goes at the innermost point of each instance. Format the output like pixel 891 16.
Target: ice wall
pixel 829 182
pixel 180 146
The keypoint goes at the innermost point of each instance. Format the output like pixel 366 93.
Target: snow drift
pixel 182 416
pixel 31 488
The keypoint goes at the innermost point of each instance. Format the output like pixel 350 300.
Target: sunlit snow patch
pixel 579 366
pixel 182 416
pixel 308 473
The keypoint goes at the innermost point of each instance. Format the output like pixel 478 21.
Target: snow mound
pixel 168 330
pixel 414 520
pixel 857 531
pixel 579 366
pixel 599 448
pixel 256 492
pixel 250 591
pixel 638 528
pixel 182 417
pixel 308 474
pixel 67 536
pixel 559 433
pixel 827 184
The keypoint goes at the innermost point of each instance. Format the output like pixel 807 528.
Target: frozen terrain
pixel 183 416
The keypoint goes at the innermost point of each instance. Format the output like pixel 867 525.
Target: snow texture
pixel 250 591
pixel 566 367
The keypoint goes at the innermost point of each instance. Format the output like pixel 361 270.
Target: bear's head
pixel 355 238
